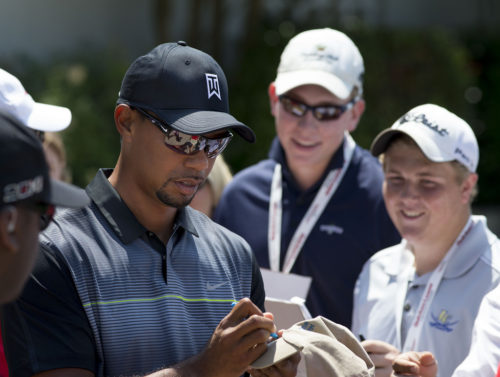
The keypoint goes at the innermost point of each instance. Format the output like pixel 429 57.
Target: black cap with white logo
pixel 184 87
pixel 24 173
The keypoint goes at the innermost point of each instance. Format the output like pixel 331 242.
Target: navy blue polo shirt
pixel 108 296
pixel 353 226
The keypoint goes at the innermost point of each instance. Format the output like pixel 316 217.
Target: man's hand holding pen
pixel 239 339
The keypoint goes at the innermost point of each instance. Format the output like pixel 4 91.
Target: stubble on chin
pixel 177 201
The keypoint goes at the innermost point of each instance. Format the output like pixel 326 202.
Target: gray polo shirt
pixel 108 296
pixel 472 272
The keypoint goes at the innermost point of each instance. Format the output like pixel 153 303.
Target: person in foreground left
pixel 27 200
pixel 139 283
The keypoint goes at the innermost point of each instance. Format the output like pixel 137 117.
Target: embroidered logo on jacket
pixel 330 229
pixel 443 321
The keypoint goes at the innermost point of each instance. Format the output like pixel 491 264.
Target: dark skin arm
pixel 239 339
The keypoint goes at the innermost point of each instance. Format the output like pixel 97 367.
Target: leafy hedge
pixel 403 69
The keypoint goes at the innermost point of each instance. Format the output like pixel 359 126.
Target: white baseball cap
pixel 327 350
pixel 40 116
pixel 441 135
pixel 323 57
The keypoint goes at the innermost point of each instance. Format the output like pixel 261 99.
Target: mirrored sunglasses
pixel 189 144
pixel 321 112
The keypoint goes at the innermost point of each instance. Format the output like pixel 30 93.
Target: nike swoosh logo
pixel 213 287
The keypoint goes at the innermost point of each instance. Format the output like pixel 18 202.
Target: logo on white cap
pixel 421 118
pixel 323 57
pixel 213 85
pixel 441 135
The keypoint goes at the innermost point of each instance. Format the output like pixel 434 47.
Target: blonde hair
pixel 219 177
pixel 53 141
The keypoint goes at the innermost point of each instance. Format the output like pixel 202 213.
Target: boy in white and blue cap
pixel 424 293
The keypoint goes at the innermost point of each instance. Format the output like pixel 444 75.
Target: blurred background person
pixel 55 153
pixel 424 293
pixel 27 200
pixel 207 197
pixel 43 119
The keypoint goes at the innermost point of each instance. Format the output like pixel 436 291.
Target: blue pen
pixel 273 334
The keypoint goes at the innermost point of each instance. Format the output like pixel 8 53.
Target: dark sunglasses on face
pixel 40 135
pixel 321 112
pixel 46 212
pixel 189 144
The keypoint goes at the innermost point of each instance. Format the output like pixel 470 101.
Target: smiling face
pixel 427 201
pixel 309 143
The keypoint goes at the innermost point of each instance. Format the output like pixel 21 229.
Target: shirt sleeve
pixel 484 354
pixel 46 328
pixel 258 294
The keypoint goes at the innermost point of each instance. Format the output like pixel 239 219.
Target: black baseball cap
pixel 24 174
pixel 184 87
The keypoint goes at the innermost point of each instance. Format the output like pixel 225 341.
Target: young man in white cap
pixel 424 293
pixel 15 100
pixel 139 283
pixel 315 207
pixel 41 117
pixel 44 119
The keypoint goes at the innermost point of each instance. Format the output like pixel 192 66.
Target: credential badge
pixel 213 85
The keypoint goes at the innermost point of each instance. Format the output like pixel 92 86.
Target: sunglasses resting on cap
pixel 189 144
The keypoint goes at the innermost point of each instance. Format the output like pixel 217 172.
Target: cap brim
pixel 66 195
pixel 381 141
pixel 277 351
pixel 286 81
pixel 49 118
pixel 202 122
pixel 428 146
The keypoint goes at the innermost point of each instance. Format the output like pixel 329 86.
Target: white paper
pixel 285 286
pixel 287 312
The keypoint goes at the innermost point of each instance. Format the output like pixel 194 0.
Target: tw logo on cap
pixel 213 85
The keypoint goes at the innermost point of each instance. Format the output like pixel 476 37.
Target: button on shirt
pixel 473 271
pixel 414 293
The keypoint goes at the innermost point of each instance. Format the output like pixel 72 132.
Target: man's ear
pixel 124 117
pixel 468 186
pixel 8 227
pixel 273 98
pixel 355 114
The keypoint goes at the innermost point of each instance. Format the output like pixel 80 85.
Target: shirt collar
pixel 119 216
pixel 478 239
pixel 473 246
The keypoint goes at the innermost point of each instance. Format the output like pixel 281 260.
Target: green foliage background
pixel 403 69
